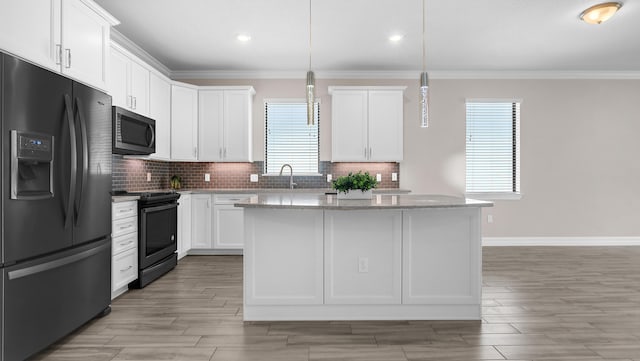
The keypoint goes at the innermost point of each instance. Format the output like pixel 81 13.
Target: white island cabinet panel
pixel 184 224
pixel 363 257
pixel 442 256
pixel 284 257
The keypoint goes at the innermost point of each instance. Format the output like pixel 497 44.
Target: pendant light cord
pixel 424 66
pixel 309 34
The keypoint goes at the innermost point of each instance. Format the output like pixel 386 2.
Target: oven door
pixel 158 233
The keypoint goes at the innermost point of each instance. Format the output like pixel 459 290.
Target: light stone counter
pixel 379 201
pixel 283 190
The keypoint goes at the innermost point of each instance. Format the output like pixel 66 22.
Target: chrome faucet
pixel 291 184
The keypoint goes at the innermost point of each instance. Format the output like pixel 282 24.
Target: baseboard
pixel 214 252
pixel 560 241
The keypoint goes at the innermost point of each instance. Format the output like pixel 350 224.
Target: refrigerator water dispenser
pixel 31 165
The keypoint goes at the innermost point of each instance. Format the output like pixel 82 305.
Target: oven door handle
pixel 158 208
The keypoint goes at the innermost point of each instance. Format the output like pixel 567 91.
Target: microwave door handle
pixel 153 135
pixel 85 159
pixel 74 160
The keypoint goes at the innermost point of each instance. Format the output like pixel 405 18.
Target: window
pixel 288 138
pixel 493 148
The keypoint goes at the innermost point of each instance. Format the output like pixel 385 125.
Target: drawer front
pixel 124 226
pixel 124 268
pixel 123 210
pixel 231 198
pixel 124 243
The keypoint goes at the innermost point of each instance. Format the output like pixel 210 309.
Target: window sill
pixel 488 196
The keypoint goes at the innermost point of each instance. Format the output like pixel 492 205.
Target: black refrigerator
pixel 55 206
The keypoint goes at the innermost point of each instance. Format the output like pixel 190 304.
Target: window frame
pixel 266 124
pixel 516 192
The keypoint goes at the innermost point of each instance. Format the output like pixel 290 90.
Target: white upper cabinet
pixel 67 36
pixel 160 111
pixel 184 122
pixel 26 30
pixel 366 124
pixel 128 82
pixel 225 132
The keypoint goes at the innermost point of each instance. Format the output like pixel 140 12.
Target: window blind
pixel 493 147
pixel 288 138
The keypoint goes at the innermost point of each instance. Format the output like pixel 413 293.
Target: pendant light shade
pixel 424 82
pixel 424 100
pixel 311 97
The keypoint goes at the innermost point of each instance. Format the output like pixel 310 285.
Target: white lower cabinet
pixel 228 221
pixel 124 249
pixel 201 221
pixel 184 225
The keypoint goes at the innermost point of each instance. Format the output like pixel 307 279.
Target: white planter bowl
pixel 356 194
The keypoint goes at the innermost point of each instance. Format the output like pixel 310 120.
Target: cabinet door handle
pixel 365 152
pixel 125 243
pixel 58 54
pixel 126 269
pixel 225 152
pixel 220 153
pixel 129 101
pixel 68 53
pixel 195 152
pixel 125 227
pixel 135 102
pixel 126 210
pixel 370 153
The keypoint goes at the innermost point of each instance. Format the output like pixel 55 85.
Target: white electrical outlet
pixel 379 177
pixel 253 178
pixel 394 177
pixel 207 177
pixel 329 177
pixel 363 265
pixel 148 177
pixel 489 218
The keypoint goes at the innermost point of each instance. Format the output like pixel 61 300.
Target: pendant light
pixel 424 82
pixel 311 81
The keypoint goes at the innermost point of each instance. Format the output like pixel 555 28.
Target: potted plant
pixel 176 182
pixel 355 186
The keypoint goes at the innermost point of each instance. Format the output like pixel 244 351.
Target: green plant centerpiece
pixel 355 186
pixel 176 182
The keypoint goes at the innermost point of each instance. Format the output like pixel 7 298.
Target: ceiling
pixel 352 35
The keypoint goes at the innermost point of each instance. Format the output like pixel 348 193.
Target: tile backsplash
pixel 131 174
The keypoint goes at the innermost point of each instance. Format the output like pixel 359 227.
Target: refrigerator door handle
pixel 74 161
pixel 85 159
pixel 28 271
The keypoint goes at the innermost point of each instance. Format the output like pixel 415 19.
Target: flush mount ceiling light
pixel 243 37
pixel 396 38
pixel 424 83
pixel 600 13
pixel 311 81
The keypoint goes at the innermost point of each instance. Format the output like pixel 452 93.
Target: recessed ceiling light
pixel 396 38
pixel 600 13
pixel 243 37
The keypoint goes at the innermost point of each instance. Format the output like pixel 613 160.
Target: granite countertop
pixel 306 191
pixel 381 201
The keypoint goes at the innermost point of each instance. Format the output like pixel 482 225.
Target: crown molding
pixel 134 49
pixel 102 12
pixel 384 74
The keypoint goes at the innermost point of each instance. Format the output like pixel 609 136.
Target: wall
pixel 579 170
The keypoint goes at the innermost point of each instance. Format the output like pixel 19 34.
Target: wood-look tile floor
pixel 539 303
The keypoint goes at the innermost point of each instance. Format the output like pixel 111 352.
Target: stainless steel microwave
pixel 133 133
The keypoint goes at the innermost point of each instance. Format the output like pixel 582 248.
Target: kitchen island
pixel 394 257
